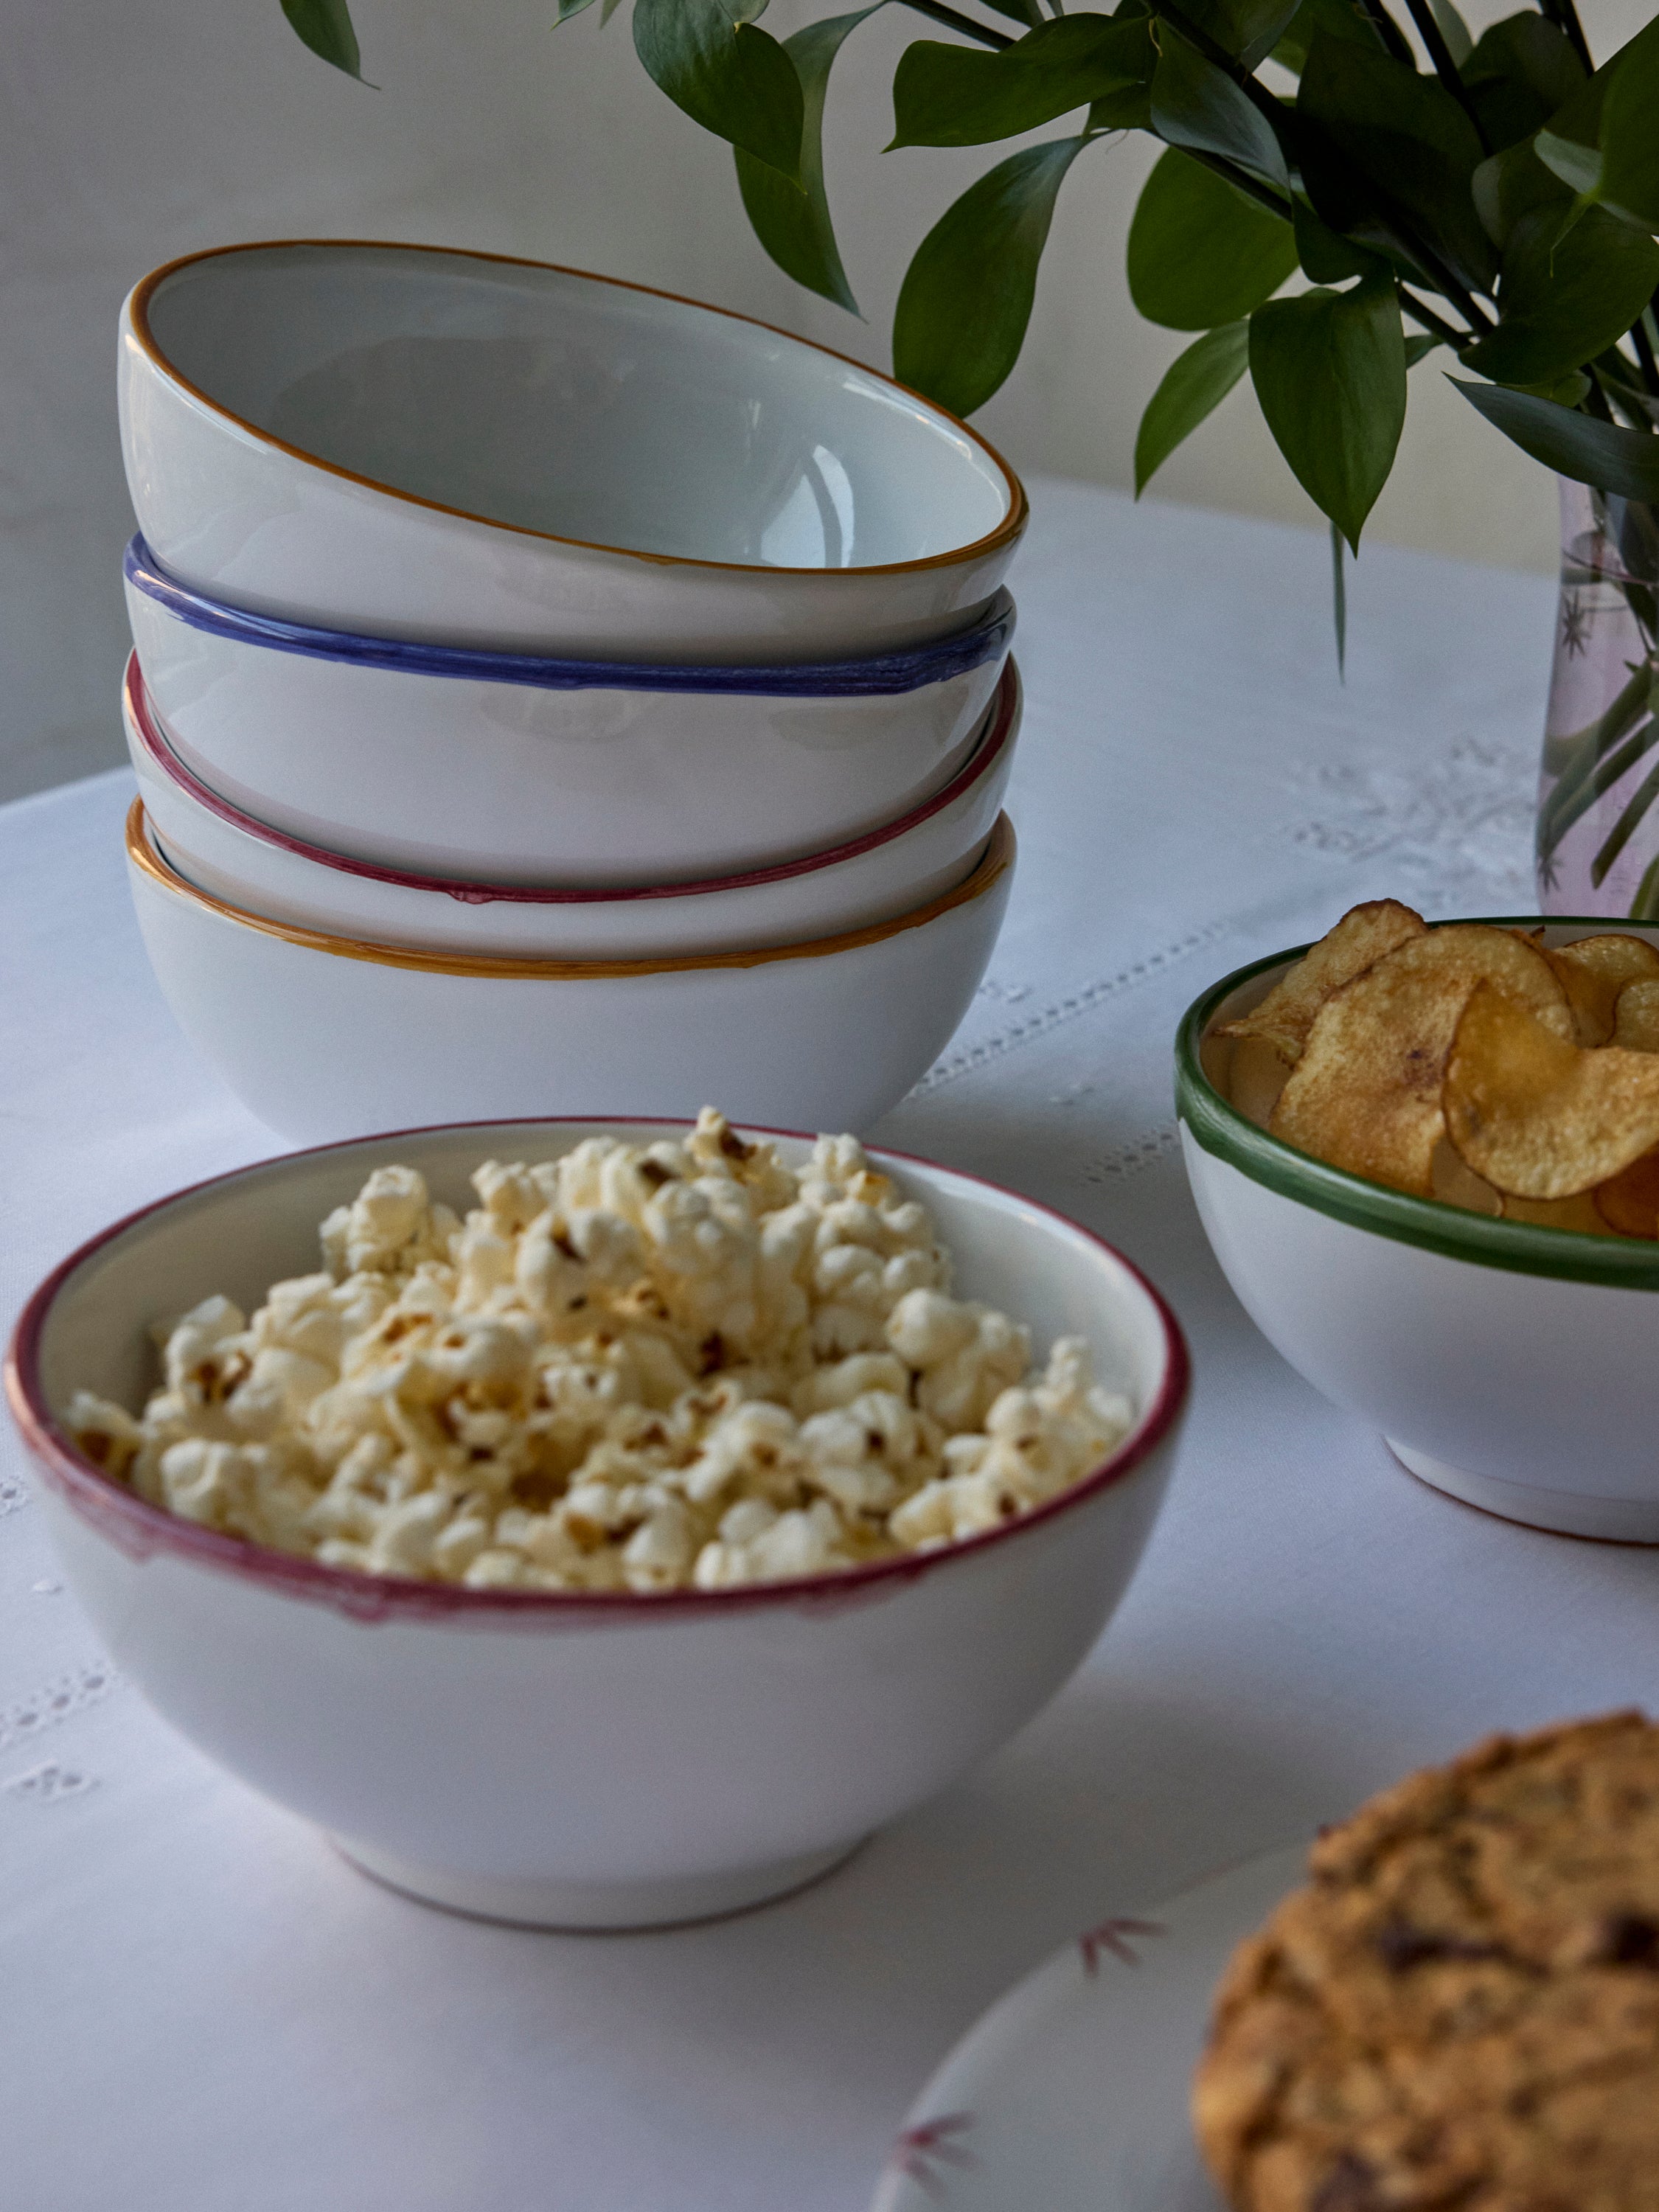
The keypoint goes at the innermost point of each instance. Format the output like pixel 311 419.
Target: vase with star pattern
pixel 1598 791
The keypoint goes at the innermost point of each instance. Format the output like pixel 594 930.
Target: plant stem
pixel 1287 124
pixel 1643 345
pixel 953 20
pixel 1445 67
pixel 1564 16
pixel 1242 181
pixel 1394 38
pixel 1420 312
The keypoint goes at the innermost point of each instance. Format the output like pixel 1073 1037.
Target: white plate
pixel 1071 2093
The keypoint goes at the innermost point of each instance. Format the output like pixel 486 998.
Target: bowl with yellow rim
pixel 1508 1362
pixel 468 449
pixel 325 1035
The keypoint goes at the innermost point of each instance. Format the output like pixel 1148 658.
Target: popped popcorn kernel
pixel 678 1364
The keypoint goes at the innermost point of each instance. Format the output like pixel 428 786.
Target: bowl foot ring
pixel 598 1907
pixel 1559 1512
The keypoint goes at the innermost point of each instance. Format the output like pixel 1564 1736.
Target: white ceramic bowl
pixel 1509 1364
pixel 585 1760
pixel 873 879
pixel 420 443
pixel 325 1037
pixel 515 770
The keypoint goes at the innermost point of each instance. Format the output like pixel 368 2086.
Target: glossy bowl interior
pixel 574 406
pixel 324 1036
pixel 873 879
pixel 459 448
pixel 1506 1362
pixel 585 1759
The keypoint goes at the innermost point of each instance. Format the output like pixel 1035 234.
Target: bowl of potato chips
pixel 1426 1156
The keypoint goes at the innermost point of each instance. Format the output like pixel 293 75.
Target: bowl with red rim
pixel 413 441
pixel 455 762
pixel 887 871
pixel 586 1759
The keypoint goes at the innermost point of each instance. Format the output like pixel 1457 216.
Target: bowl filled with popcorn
pixel 604 1524
pixel 1426 1156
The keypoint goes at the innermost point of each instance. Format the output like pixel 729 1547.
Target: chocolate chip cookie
pixel 1460 2011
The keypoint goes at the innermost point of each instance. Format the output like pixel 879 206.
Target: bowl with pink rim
pixel 325 1035
pixel 887 871
pixel 418 442
pixel 517 767
pixel 585 1759
pixel 1505 1362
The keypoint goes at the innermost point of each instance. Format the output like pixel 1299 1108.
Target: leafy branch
pixel 1500 194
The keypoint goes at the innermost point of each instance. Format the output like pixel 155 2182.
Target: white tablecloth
pixel 202 2010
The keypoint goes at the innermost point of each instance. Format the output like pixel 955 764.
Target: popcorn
pixel 674 1365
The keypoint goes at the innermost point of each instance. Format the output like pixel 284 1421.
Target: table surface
pixel 202 2010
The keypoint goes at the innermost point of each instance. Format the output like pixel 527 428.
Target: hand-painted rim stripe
pixel 887 675
pixel 1005 533
pixel 1522 1248
pixel 139 1528
pixel 998 729
pixel 147 858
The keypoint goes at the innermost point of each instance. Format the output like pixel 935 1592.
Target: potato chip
pixel 1365 1094
pixel 1537 1116
pixel 1255 1079
pixel 1595 970
pixel 1364 934
pixel 1577 1213
pixel 1629 1201
pixel 1636 1017
pixel 1454 1184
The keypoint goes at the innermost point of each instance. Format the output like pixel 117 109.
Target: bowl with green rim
pixel 1510 1364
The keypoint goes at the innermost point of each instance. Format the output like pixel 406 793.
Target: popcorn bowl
pixel 324 1036
pixel 513 768
pixel 1507 1364
pixel 586 1759
pixel 886 872
pixel 417 442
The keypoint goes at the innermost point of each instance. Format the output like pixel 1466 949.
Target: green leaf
pixel 1521 71
pixel 1329 371
pixel 966 298
pixel 1128 110
pixel 1569 145
pixel 955 96
pixel 1510 185
pixel 1325 258
pixel 1625 462
pixel 1407 137
pixel 1562 299
pixel 1419 345
pixel 791 221
pixel 1248 30
pixel 1199 252
pixel 607 10
pixel 1194 385
pixel 1577 167
pixel 1195 104
pixel 1340 602
pixel 735 80
pixel 326 27
pixel 1454 30
pixel 1630 138
pixel 1341 18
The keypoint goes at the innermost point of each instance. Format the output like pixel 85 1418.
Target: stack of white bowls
pixel 551 695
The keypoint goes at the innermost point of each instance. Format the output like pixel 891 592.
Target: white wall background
pixel 132 131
